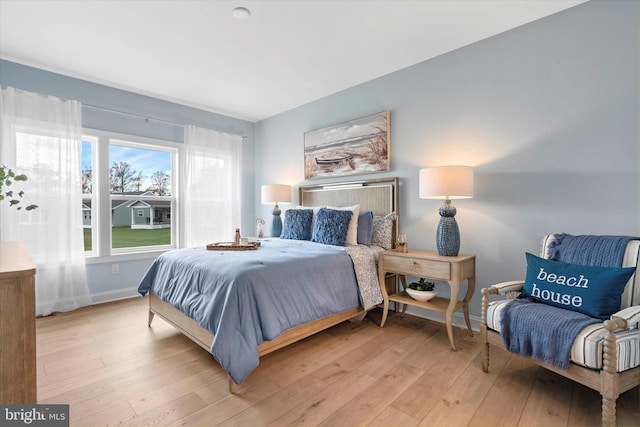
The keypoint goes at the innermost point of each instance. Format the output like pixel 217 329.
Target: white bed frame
pixel 377 195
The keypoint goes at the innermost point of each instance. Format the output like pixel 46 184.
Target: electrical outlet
pixel 115 268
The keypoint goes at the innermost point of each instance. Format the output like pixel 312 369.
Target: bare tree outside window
pixel 160 182
pixel 122 178
pixel 87 180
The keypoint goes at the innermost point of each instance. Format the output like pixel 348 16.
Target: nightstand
pixel 430 265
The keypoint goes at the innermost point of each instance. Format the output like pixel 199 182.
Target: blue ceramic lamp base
pixel 448 234
pixel 276 222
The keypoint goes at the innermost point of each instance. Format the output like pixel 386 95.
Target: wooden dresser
pixel 17 325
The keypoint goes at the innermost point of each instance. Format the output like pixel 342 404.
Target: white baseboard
pixel 118 294
pixel 457 319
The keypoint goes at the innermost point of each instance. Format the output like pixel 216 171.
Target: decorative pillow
pixel 297 224
pixel 316 209
pixel 594 291
pixel 383 231
pixel 365 228
pixel 331 226
pixel 352 234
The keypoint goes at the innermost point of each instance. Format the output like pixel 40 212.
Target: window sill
pixel 129 256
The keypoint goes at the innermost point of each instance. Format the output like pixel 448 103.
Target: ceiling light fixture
pixel 241 13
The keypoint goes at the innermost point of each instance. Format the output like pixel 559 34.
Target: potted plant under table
pixel 421 290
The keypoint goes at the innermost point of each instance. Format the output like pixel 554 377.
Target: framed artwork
pixel 359 146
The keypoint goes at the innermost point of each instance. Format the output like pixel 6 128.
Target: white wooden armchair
pixel 605 356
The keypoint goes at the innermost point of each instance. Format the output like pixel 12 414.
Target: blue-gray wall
pixel 104 284
pixel 547 114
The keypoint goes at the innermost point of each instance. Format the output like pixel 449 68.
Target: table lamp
pixel 447 182
pixel 274 194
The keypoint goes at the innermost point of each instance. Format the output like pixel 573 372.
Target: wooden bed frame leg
pixel 151 314
pixel 359 318
pixel 233 387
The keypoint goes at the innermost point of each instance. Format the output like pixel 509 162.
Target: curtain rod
pixel 146 118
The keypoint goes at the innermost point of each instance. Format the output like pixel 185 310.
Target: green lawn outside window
pixel 125 237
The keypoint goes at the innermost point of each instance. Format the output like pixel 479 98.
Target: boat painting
pixel 358 146
pixel 325 161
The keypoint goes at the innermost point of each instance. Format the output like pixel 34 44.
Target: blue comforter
pixel 247 297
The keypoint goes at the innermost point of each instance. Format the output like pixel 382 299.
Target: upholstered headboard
pixel 377 195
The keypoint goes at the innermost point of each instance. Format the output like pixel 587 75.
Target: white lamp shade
pixel 276 193
pixel 446 182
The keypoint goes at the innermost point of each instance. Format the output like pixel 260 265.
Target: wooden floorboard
pixel 113 370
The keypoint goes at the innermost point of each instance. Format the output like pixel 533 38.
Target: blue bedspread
pixel 247 297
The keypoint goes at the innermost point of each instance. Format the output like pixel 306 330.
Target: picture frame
pixel 355 147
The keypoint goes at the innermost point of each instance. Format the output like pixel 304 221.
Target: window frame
pixel 102 250
pixel 93 140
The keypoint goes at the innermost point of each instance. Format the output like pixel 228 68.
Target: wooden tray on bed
pixel 231 246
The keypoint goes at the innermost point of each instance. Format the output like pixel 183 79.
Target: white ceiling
pixel 286 54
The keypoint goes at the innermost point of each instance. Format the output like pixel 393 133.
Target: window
pixel 128 193
pixel 89 144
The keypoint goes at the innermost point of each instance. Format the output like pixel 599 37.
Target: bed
pixel 259 301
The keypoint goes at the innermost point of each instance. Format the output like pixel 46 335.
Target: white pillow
pixel 352 234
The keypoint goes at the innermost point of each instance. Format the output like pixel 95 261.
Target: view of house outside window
pixel 141 196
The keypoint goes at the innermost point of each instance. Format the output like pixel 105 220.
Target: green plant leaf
pixel 7 176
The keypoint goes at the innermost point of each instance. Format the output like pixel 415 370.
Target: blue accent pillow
pixel 331 226
pixel 365 228
pixel 297 224
pixel 594 291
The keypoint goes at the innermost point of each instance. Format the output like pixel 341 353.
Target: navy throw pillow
pixel 365 228
pixel 297 224
pixel 331 226
pixel 594 291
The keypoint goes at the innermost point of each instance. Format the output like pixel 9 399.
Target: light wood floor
pixel 113 370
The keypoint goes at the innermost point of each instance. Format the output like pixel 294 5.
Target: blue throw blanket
pixel 522 332
pixel 550 341
pixel 600 251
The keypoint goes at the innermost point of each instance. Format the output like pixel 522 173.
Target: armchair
pixel 605 356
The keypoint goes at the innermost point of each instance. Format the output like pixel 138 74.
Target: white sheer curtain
pixel 210 186
pixel 42 137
